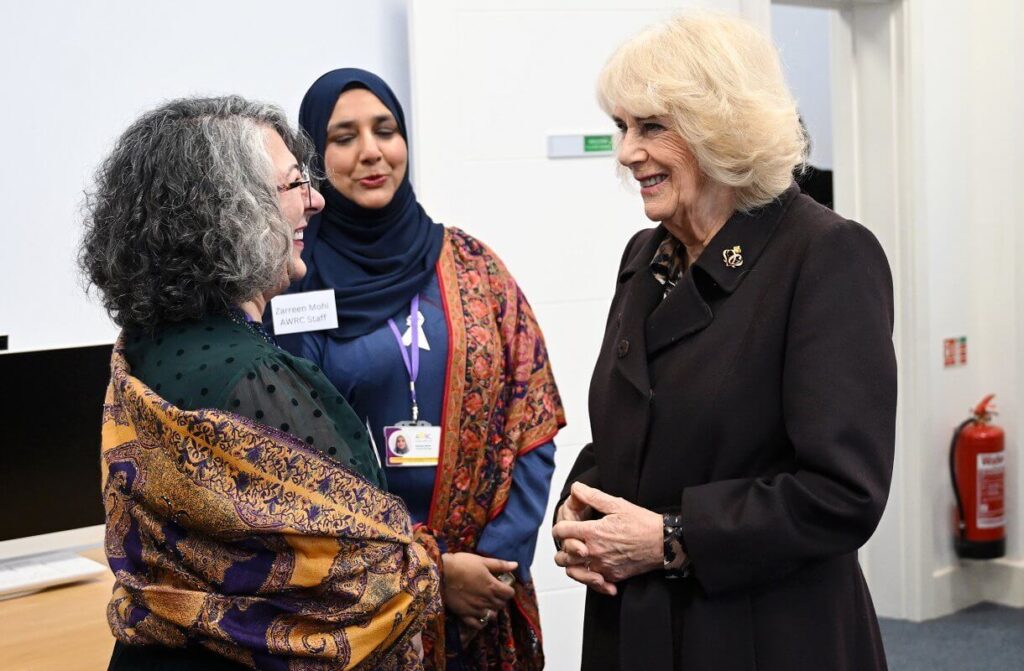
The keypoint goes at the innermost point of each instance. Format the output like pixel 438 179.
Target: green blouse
pixel 219 363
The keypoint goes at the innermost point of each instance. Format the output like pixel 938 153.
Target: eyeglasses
pixel 303 181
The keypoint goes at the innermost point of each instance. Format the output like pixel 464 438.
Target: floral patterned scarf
pixel 500 402
pixel 229 535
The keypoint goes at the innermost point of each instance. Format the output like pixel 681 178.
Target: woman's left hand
pixel 627 541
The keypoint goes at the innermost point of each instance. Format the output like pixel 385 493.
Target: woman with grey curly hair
pixel 743 403
pixel 247 526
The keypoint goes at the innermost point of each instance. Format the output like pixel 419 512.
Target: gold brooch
pixel 733 258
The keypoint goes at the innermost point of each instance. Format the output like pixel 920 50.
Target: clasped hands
pixel 627 541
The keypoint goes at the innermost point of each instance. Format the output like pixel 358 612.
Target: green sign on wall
pixel 593 143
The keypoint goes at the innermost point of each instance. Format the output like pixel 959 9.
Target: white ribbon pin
pixel 407 336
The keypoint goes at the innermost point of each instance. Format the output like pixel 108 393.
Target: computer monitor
pixel 50 455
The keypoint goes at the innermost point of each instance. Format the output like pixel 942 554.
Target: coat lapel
pixel 681 313
pixel 721 267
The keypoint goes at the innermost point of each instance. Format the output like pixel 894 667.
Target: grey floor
pixel 985 637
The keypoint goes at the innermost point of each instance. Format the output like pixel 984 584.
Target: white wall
pixel 929 134
pixel 75 74
pixel 968 114
pixel 803 37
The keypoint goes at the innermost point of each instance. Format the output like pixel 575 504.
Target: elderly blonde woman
pixel 247 525
pixel 743 403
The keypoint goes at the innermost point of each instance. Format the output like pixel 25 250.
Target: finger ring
pixel 486 616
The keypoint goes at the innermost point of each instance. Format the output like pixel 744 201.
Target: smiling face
pixel 365 156
pixel 297 204
pixel 660 161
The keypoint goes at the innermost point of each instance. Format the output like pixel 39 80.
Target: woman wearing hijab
pixel 435 342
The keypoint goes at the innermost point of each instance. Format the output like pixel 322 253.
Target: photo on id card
pixel 417 445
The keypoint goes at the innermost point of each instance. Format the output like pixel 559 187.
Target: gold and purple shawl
pixel 239 538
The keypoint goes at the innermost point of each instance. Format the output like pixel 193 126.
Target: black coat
pixel 759 401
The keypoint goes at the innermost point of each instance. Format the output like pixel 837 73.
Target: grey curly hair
pixel 184 220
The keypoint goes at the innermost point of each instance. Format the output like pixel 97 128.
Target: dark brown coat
pixel 760 401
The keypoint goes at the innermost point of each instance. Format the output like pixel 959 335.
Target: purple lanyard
pixel 411 359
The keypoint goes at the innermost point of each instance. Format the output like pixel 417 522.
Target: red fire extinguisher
pixel 977 469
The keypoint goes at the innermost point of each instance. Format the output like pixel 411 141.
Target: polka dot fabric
pixel 216 363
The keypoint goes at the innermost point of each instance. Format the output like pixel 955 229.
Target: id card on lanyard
pixel 413 442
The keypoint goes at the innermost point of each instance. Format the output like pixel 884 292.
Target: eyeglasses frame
pixel 305 181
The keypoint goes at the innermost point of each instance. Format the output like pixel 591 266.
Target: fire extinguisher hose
pixel 962 522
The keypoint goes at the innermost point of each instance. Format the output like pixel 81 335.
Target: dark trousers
pixel 160 658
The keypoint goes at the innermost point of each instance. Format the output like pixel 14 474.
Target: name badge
pixel 415 445
pixel 306 311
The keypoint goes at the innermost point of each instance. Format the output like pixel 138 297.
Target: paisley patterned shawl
pixel 500 402
pixel 227 534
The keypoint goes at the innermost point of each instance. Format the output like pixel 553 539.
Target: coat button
pixel 623 348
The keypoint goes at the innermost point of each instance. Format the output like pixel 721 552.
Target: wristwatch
pixel 676 560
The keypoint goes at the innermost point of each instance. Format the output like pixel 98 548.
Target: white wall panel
pixel 573 344
pixel 803 38
pixel 1015 144
pixel 993 230
pixel 516 80
pixel 542 220
pixel 546 575
pixel 968 148
pixel 76 74
pixel 561 616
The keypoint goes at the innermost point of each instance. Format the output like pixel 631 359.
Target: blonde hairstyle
pixel 720 81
